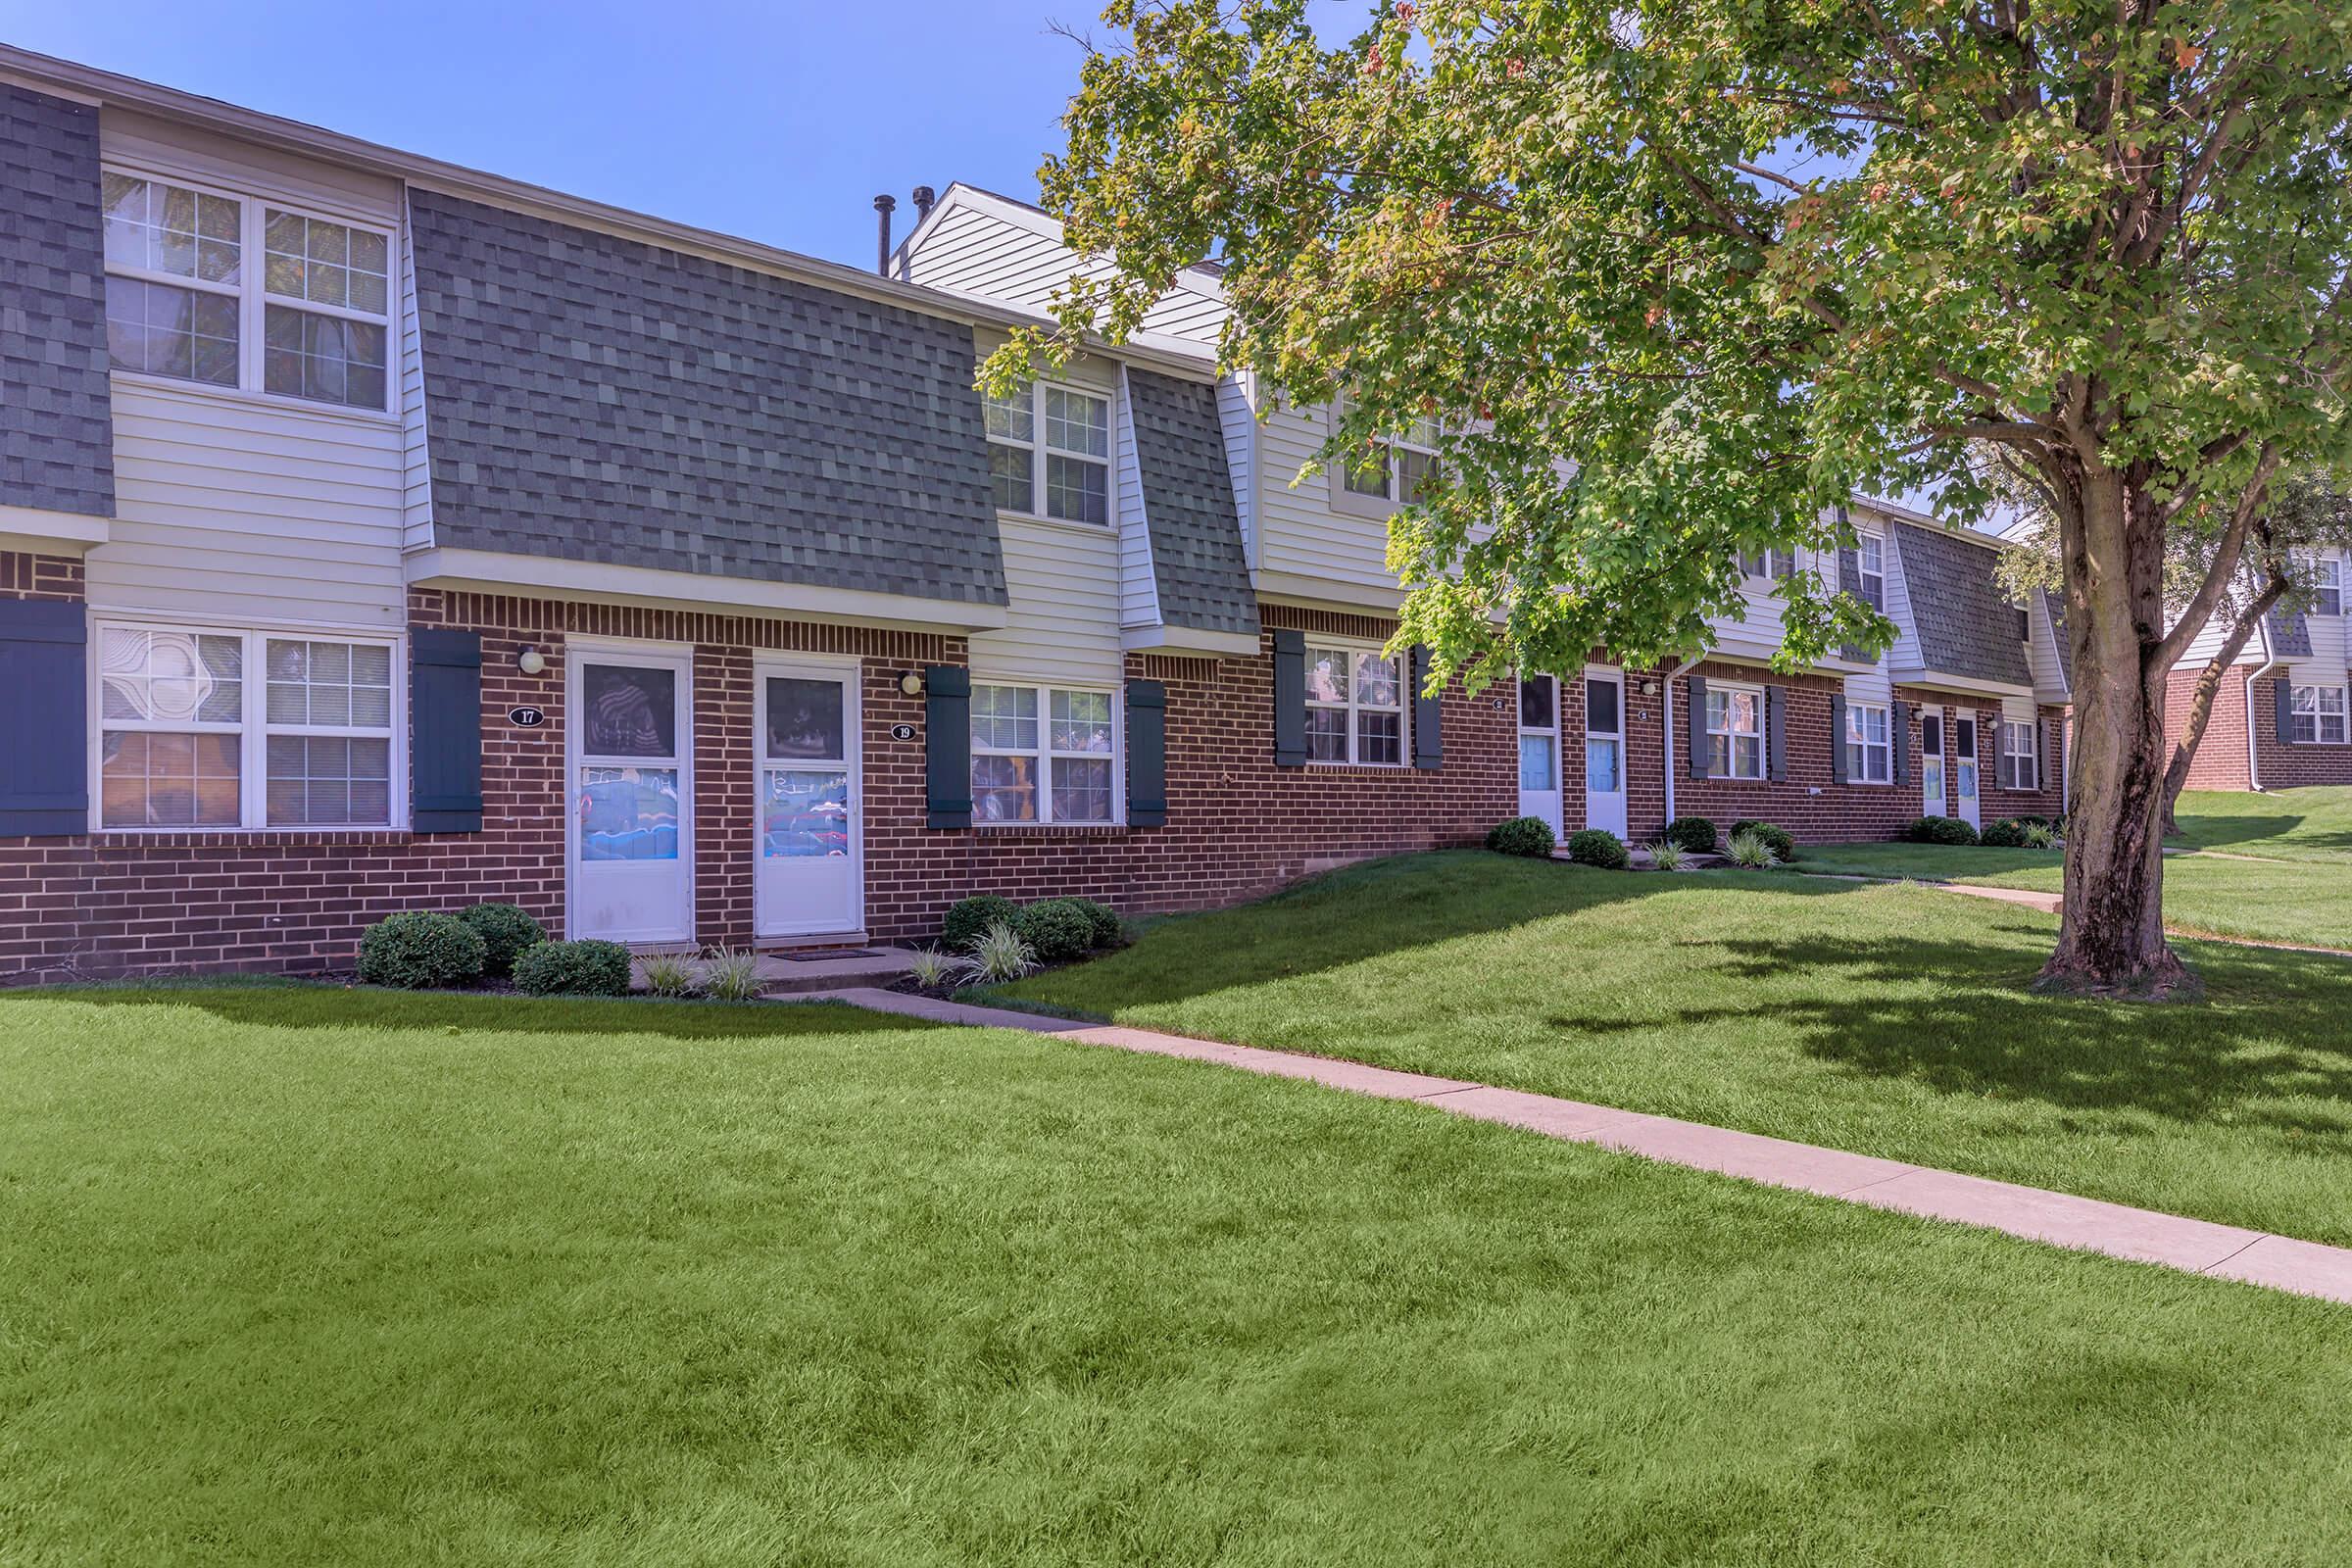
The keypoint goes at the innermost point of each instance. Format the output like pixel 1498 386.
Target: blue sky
pixel 776 121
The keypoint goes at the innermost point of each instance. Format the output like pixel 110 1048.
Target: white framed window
pixel 2327 585
pixel 2318 716
pixel 1044 753
pixel 1869 757
pixel 1870 556
pixel 210 727
pixel 2021 754
pixel 1397 468
pixel 1770 566
pixel 1355 706
pixel 1736 731
pixel 226 290
pixel 1049 452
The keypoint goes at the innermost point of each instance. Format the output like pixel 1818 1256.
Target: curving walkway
pixel 2143 1236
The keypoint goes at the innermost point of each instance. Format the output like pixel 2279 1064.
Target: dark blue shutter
pixel 948 745
pixel 1290 699
pixel 1147 754
pixel 2283 693
pixel 1428 741
pixel 1838 772
pixel 445 723
pixel 1776 733
pixel 45 692
pixel 1898 741
pixel 1698 727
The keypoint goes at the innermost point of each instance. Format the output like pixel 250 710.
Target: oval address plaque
pixel 902 732
pixel 526 717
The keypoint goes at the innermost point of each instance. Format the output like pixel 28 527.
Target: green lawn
pixel 1884 1018
pixel 315 1277
pixel 2298 891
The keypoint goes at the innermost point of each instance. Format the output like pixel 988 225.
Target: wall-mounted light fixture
pixel 911 683
pixel 531 661
pixel 1650 688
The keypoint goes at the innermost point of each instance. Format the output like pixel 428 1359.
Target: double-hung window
pixel 1870 554
pixel 1043 754
pixel 2327 585
pixel 1052 444
pixel 215 728
pixel 1868 754
pixel 1736 731
pixel 1354 707
pixel 2021 754
pixel 1397 468
pixel 1774 566
pixel 2318 716
pixel 232 291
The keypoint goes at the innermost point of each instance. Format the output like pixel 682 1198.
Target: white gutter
pixel 1682 668
pixel 2272 661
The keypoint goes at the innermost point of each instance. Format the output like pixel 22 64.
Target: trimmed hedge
pixel 414 950
pixel 1522 835
pixel 588 968
pixel 967 918
pixel 1694 833
pixel 1782 842
pixel 1103 917
pixel 1055 929
pixel 507 932
pixel 2006 834
pixel 1597 846
pixel 1940 830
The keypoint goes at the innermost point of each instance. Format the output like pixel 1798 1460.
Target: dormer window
pixel 2327 585
pixel 1055 442
pixel 185 301
pixel 1870 553
pixel 1397 468
pixel 1772 566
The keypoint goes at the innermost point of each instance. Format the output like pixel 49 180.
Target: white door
pixel 1964 768
pixel 629 745
pixel 1931 763
pixel 1604 750
pixel 1540 749
pixel 807 879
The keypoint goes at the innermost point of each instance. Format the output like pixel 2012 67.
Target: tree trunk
pixel 2200 700
pixel 2111 931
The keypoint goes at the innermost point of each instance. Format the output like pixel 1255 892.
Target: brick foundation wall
pixel 2284 766
pixel 2219 762
pixel 111 904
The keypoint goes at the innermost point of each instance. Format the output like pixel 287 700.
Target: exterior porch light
pixel 911 683
pixel 531 661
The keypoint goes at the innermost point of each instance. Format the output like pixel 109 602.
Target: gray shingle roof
pixel 57 432
pixel 1966 626
pixel 592 398
pixel 1197 557
pixel 2290 634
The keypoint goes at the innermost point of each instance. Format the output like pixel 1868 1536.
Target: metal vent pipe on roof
pixel 883 207
pixel 924 196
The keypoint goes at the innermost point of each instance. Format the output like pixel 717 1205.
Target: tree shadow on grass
pixel 295 1004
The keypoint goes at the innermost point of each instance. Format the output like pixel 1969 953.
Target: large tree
pixel 1738 259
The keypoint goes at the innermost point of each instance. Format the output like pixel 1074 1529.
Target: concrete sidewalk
pixel 2143 1236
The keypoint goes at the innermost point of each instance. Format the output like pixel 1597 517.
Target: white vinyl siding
pixel 1004 256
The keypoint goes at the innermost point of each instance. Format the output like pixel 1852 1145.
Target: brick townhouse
pixel 2280 717
pixel 376 533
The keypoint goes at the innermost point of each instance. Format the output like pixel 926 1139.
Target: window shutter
pixel 1698 727
pixel 1838 772
pixel 1428 740
pixel 1776 733
pixel 1147 754
pixel 947 746
pixel 1290 699
pixel 44 690
pixel 445 726
pixel 1898 741
pixel 2284 692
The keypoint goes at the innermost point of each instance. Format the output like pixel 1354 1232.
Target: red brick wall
pixel 2219 762
pixel 2283 767
pixel 105 904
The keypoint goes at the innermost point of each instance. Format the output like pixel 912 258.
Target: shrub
pixel 1103 919
pixel 933 970
pixel 969 917
pixel 733 974
pixel 506 931
pixel 574 969
pixel 1667 855
pixel 1751 850
pixel 1055 929
pixel 1597 846
pixel 1783 841
pixel 1521 835
pixel 1000 953
pixel 1940 830
pixel 1694 833
pixel 670 974
pixel 415 950
pixel 2040 836
pixel 2006 834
